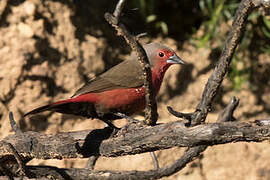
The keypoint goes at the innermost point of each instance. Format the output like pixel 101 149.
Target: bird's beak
pixel 174 59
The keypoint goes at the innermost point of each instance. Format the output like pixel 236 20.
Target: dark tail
pixel 69 106
pixel 39 109
pixel 57 106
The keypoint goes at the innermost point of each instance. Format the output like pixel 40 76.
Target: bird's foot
pixel 130 125
pixel 130 119
pixel 115 129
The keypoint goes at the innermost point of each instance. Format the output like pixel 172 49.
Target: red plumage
pixel 120 89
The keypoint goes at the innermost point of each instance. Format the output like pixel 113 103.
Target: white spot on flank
pixel 137 90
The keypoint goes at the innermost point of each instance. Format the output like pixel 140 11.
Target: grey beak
pixel 174 59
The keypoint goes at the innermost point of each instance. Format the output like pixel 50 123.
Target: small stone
pixel 25 30
pixel 29 8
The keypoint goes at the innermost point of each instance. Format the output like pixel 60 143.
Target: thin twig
pixel 263 122
pixel 186 116
pixel 19 160
pixel 141 35
pixel 154 160
pixel 91 162
pixel 13 124
pixel 118 9
pixel 151 114
pixel 227 113
pixel 261 3
pixel 222 66
pixel 84 173
pixel 179 164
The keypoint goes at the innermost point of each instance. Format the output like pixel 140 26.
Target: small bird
pixel 118 90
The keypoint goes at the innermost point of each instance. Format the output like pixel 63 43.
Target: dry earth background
pixel 47 50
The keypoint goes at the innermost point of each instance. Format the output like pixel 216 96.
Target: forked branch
pixel 151 105
pixel 24 146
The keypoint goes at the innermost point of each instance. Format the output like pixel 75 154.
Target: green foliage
pixel 266 28
pixel 213 19
pixel 215 13
pixel 266 31
pixel 256 37
pixel 239 75
pixel 213 10
pixel 147 11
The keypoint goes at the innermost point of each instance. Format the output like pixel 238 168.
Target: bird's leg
pixel 110 124
pixel 155 160
pixel 91 162
pixel 130 119
pixel 115 129
pixel 106 119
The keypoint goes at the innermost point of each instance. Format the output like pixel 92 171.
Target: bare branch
pixel 151 114
pixel 118 9
pixel 227 113
pixel 59 173
pixel 13 124
pixel 91 162
pixel 179 164
pixel 186 116
pixel 262 3
pixel 220 70
pixel 222 66
pixel 263 122
pixel 86 143
pixel 138 139
pixel 155 160
pixel 22 168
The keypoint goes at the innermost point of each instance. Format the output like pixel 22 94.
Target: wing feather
pixel 127 74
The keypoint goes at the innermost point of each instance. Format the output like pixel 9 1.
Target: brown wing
pixel 127 74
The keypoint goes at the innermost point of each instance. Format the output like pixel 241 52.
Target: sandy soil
pixel 49 48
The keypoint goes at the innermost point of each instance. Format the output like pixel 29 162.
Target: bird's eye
pixel 161 54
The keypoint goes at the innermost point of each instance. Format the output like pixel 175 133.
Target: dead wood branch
pixel 83 144
pixel 222 67
pixel 61 173
pixel 138 139
pixel 151 114
pixel 86 143
pixel 227 113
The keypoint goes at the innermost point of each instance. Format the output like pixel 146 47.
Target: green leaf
pixel 164 27
pixel 151 18
pixel 266 32
pixel 266 22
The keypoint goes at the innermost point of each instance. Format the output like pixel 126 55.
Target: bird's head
pixel 161 57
